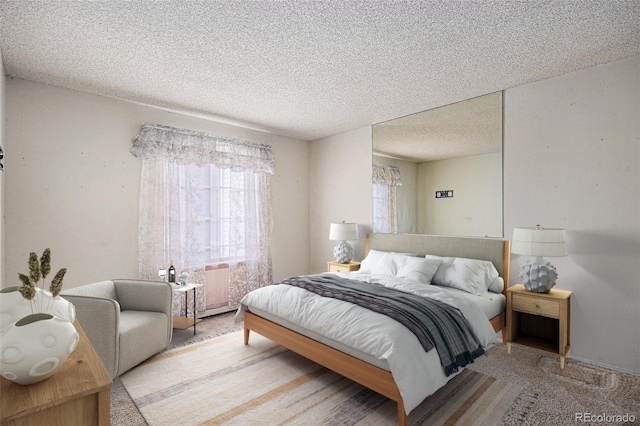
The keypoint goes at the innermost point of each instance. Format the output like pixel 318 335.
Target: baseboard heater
pixel 216 288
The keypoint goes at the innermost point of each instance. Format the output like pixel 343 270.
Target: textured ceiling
pixel 470 127
pixel 308 69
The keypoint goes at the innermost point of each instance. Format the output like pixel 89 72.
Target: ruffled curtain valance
pixel 386 175
pixel 183 146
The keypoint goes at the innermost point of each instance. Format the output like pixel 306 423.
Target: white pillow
pixel 445 262
pixel 497 286
pixel 374 258
pixel 386 265
pixel 418 269
pixel 471 275
pixel 367 264
pixel 390 263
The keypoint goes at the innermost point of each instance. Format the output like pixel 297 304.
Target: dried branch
pixel 45 263
pixel 34 268
pixel 56 283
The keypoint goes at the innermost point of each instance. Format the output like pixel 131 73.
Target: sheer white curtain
pixel 385 180
pixel 171 224
pixel 250 258
pixel 178 211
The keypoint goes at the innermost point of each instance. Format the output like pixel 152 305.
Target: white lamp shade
pixel 538 241
pixel 343 231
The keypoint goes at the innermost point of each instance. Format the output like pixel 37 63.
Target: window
pixel 224 237
pixel 382 209
pixel 385 181
pixel 204 200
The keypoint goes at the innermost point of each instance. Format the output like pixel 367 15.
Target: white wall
pixel 3 88
pixel 72 184
pixel 340 176
pixel 572 160
pixel 476 206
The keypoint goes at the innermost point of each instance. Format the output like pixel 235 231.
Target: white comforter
pixel 417 373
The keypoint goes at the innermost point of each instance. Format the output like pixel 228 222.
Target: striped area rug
pixel 222 381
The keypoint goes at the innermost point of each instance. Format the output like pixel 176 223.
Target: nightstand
pixel 539 320
pixel 343 267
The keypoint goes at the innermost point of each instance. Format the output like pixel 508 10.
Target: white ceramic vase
pixel 13 306
pixel 32 348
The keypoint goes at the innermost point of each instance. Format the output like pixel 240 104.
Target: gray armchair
pixel 127 321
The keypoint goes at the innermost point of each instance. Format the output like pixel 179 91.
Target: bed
pixel 371 369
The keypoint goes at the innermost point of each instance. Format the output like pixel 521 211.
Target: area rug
pixel 565 396
pixel 222 381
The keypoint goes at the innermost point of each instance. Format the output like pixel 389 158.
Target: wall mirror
pixel 440 171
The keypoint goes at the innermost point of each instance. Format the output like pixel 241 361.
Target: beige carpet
pixel 557 396
pixel 123 410
pixel 222 381
pixel 552 396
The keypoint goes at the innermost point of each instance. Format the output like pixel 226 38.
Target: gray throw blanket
pixel 433 322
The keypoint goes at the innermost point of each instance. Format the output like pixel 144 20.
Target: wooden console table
pixel 78 393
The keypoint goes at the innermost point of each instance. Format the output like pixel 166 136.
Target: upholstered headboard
pixel 494 249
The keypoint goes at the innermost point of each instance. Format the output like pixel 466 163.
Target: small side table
pixel 342 267
pixel 539 320
pixel 177 288
pixel 77 393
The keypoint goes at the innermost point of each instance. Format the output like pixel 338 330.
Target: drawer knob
pixel 537 306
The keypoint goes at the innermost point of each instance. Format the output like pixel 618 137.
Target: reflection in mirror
pixel 440 171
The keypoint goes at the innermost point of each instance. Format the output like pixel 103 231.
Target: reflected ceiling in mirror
pixel 466 128
pixel 456 149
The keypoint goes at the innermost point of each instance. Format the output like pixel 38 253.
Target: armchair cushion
pixel 142 334
pixel 127 321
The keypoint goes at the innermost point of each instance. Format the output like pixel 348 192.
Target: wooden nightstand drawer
pixel 343 267
pixel 536 306
pixel 339 268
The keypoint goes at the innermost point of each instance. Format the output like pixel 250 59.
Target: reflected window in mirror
pixel 385 181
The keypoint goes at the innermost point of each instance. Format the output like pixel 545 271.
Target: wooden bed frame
pixel 370 376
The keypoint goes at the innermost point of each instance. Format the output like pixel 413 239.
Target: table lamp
pixel 537 274
pixel 342 232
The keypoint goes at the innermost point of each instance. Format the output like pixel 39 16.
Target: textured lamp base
pixel 343 252
pixel 538 275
